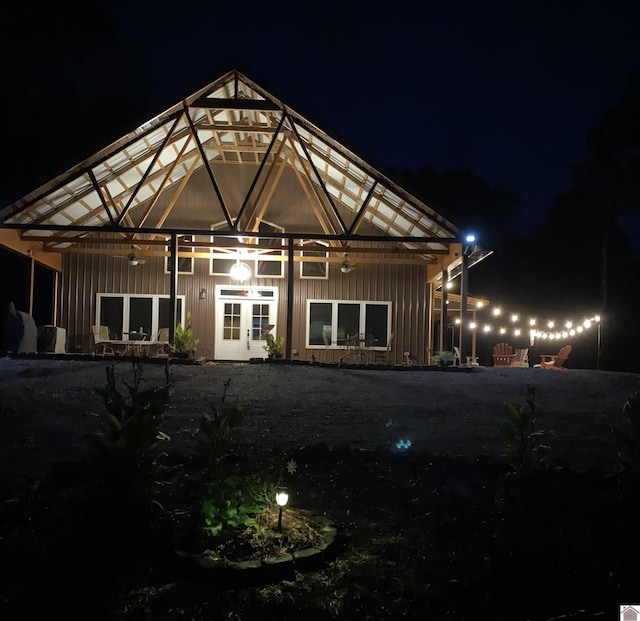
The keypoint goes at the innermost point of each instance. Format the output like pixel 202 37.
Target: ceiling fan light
pixel 133 262
pixel 346 267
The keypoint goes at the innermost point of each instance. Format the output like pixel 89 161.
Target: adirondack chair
pixel 555 362
pixel 503 355
pixel 522 358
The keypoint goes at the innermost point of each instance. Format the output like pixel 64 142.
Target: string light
pixel 571 328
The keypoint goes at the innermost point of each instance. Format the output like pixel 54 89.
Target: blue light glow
pixel 403 444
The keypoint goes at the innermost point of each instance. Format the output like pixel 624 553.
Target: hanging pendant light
pixel 240 271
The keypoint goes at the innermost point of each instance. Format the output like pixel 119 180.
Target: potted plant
pixel 443 358
pixel 184 345
pixel 274 346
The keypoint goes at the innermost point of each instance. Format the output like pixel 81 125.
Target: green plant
pixel 628 469
pixel 183 341
pixel 274 345
pixel 214 435
pixel 442 358
pixel 125 451
pixel 520 440
pixel 231 503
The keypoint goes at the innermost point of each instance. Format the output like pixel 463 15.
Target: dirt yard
pixel 406 463
pixel 50 407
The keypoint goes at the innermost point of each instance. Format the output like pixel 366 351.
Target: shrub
pixel 214 436
pixel 183 341
pixel 125 452
pixel 628 469
pixel 520 440
pixel 274 345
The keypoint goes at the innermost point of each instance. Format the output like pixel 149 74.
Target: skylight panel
pixel 402 224
pixel 351 186
pixel 379 223
pixel 385 211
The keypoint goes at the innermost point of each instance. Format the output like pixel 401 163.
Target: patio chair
pixel 555 362
pixel 503 355
pixel 101 339
pixel 383 356
pixel 456 357
pixel 162 340
pixel 522 358
pixel 326 339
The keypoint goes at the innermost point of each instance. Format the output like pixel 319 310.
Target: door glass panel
pixel 259 318
pixel 231 319
pixel 111 314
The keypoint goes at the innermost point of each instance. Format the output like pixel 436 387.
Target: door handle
pixel 248 343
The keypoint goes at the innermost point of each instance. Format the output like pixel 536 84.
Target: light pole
pixel 597 318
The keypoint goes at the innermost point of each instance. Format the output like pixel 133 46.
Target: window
pixel 260 268
pixel 185 264
pixel 338 319
pixel 128 313
pixel 266 269
pixel 315 269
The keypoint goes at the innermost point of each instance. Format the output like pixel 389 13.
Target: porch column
pixel 430 315
pixel 443 311
pixel 289 299
pixel 464 294
pixel 32 276
pixel 173 291
pixel 474 336
pixel 56 296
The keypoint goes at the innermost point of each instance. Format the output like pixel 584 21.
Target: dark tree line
pixel 586 255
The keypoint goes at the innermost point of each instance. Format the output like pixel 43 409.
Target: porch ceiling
pixel 230 123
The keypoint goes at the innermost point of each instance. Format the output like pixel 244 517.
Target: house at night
pixel 234 208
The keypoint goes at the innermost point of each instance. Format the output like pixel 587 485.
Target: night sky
pixel 507 90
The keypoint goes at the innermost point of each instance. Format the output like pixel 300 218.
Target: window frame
pixel 335 304
pixel 126 307
pixel 315 248
pixel 181 249
pixel 249 256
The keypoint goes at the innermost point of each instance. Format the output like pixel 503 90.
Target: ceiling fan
pixel 131 257
pixel 347 267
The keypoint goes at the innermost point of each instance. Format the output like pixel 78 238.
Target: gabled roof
pixel 131 189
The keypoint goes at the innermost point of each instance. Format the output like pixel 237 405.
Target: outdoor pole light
pixel 282 498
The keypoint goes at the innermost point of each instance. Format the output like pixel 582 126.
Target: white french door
pixel 243 317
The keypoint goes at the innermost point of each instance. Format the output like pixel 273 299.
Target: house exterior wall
pixel 405 286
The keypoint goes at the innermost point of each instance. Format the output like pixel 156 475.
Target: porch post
pixel 474 336
pixel 443 311
pixel 430 315
pixel 32 275
pixel 464 294
pixel 289 299
pixel 173 291
pixel 56 296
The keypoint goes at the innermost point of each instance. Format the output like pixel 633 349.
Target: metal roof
pixel 232 121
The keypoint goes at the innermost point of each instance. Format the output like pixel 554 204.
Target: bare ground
pixel 49 408
pixel 437 530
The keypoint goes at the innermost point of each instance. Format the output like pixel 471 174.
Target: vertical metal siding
pixel 405 286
